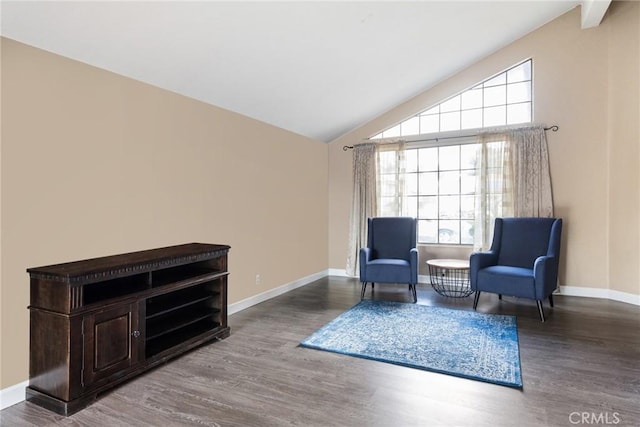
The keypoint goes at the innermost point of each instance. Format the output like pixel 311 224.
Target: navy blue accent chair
pixel 391 255
pixel 522 262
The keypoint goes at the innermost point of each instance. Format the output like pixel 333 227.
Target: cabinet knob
pixel 135 334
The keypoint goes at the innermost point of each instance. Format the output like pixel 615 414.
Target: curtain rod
pixel 553 128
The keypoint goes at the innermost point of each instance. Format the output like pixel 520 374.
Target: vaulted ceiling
pixel 319 69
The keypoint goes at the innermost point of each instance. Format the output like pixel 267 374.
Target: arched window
pixel 504 99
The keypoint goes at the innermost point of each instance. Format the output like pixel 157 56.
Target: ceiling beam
pixel 593 11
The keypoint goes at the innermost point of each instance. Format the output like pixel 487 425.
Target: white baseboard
pixel 272 293
pixel 578 291
pixel 338 272
pixel 574 291
pixel 11 395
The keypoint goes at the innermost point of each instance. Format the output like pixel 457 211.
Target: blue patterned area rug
pixel 455 342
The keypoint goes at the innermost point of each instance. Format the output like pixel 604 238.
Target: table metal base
pixel 449 282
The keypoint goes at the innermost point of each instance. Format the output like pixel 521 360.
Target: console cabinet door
pixel 111 342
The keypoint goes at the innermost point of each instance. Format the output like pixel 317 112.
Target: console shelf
pixel 167 307
pixel 98 322
pixel 172 275
pixel 192 336
pixel 160 326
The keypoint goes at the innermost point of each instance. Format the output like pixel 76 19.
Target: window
pixel 437 183
pixel 438 189
pixel 505 99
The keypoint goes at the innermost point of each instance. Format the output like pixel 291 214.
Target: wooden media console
pixel 98 322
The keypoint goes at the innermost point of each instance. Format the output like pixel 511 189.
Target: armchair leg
pixel 373 285
pixel 500 296
pixel 540 310
pixel 551 300
pixel 475 300
pixel 412 288
pixel 364 288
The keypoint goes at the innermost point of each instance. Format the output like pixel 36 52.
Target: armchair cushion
pixel 507 280
pixel 391 237
pixel 389 271
pixel 523 241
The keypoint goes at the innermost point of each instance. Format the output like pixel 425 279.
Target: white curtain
pixel 513 179
pixel 532 178
pixel 391 179
pixel 494 190
pixel 363 203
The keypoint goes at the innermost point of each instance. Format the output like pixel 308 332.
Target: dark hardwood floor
pixel 581 367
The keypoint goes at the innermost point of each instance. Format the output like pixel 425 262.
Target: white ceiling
pixel 319 69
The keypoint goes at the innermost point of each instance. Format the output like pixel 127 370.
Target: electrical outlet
pixel 258 279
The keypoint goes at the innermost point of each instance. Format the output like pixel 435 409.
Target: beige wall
pixel 585 81
pixel 624 148
pixel 95 164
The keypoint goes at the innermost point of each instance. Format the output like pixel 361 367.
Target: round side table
pixel 450 277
